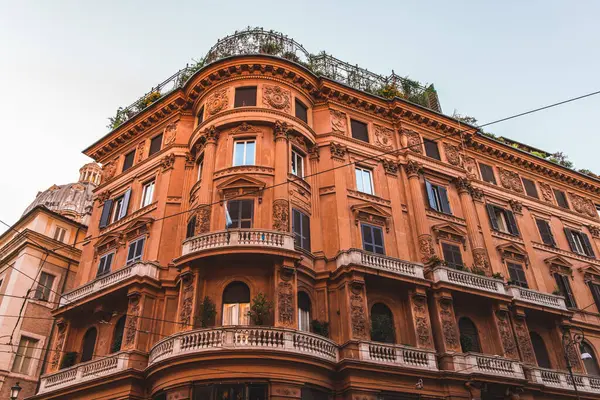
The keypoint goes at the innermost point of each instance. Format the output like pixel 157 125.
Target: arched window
pixel 539 348
pixel 191 228
pixel 89 343
pixel 589 359
pixel 303 311
pixel 236 304
pixel 382 324
pixel 118 335
pixel 469 338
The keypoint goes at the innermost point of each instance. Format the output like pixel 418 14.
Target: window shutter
pixel 588 246
pixel 431 196
pixel 569 236
pixel 444 199
pixel 512 223
pixel 569 293
pixel 545 232
pixel 595 289
pixel 105 213
pixel 125 205
pixel 306 232
pixel 492 214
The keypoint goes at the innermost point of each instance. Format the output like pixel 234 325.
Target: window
pixel 155 144
pixel 128 163
pixel 487 173
pixel 243 152
pixel 545 232
pixel 24 355
pixel 241 213
pixel 191 228
pixel 303 312
pixel 115 209
pixel 517 275
pixel 117 340
pixel 147 194
pixel 42 291
pixel 105 264
pixel 301 229
pixel 200 167
pixel 236 304
pixel 469 338
pixel 382 324
pixel 591 363
pixel 539 348
pixel 136 250
pixel 364 180
pixel 438 198
pixel 595 289
pixel 530 188
pixel 372 237
pixel 59 234
pixel 452 255
pixel 502 220
pixel 89 344
pixel 579 242
pixel 598 209
pixel 359 130
pixel 201 115
pixel 561 198
pixel 301 111
pixel 562 282
pixel 431 149
pixel 245 97
pixel 297 164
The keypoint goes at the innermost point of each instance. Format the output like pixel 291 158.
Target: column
pixel 286 295
pixel 205 194
pixel 413 170
pixel 281 204
pixel 421 320
pixel 521 332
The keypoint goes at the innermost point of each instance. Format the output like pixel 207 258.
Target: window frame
pixel 438 198
pixel 245 151
pixel 579 242
pixel 29 348
pixel 152 142
pixel 126 160
pixel 200 116
pixel 508 220
pixel 304 109
pixel 375 247
pixel 239 218
pixel 563 197
pixel 301 238
pixel 60 233
pixel 437 149
pixel 145 187
pixel 200 167
pixel 454 249
pixel 483 166
pixel 367 171
pixel 135 244
pixel 564 286
pixel 530 188
pixel 517 269
pixel 546 237
pixel 241 89
pixel 295 156
pixel 359 123
pixel 42 290
pixel 105 269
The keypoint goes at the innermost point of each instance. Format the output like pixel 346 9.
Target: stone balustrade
pixel 468 279
pixel 244 337
pixel 136 269
pixel 380 262
pixel 239 237
pixel 83 372
pixel 538 298
pixel 470 363
pixel 562 379
pixel 395 354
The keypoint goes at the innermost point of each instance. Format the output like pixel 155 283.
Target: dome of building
pixel 73 200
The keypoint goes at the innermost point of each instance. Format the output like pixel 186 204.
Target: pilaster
pixel 505 332
pixel 446 333
pixel 521 332
pixel 286 295
pixel 425 242
pixel 205 193
pixel 421 321
pixel 187 294
pixel 58 347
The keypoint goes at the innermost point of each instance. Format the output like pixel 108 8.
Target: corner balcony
pixel 475 363
pixel 247 338
pixel 533 297
pixel 562 380
pixel 468 280
pixel 379 262
pixel 400 355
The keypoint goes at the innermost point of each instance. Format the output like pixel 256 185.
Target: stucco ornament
pixel 185 314
pixel 480 260
pixel 58 346
pixel 281 215
pixel 202 219
pixel 390 167
pixel 167 162
pixel 277 98
pixel 470 165
pixel 141 150
pixel 217 102
pixel 413 141
pixel 357 314
pixel 583 205
pixel 338 151
pixel 133 310
pixel 426 247
pixel 449 328
pixel 383 137
pixel 452 154
pixel 413 169
pixel 108 172
pixel 595 231
pixel 546 192
pixel 338 121
pixel 524 341
pixel 516 206
pixel 170 133
pixel 506 335
pixel 285 303
pixel 422 325
pixel 510 180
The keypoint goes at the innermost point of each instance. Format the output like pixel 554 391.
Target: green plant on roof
pixel 561 159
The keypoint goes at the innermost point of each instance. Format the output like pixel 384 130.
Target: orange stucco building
pixel 271 229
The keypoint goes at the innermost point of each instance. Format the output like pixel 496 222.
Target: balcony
pixel 562 380
pixel 379 262
pixel 537 298
pixel 244 338
pixel 468 280
pixel 475 363
pixel 138 269
pixel 394 354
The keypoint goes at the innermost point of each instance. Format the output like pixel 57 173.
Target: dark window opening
pixel 359 130
pixel 239 391
pixel 245 96
pixel 118 335
pixel 502 220
pixel 595 289
pixel 191 228
pixel 155 144
pixel 431 149
pixel 561 198
pixel 303 311
pixel 539 348
pixel 301 111
pixel 301 229
pixel 382 324
pixel 562 282
pixel 201 115
pixel 128 163
pixel 517 275
pixel 372 237
pixel 591 362
pixel 438 198
pixel 89 344
pixel 579 242
pixel 105 264
pixel 545 232
pixel 452 255
pixel 469 338
pixel 241 213
pixel 487 173
pixel 530 188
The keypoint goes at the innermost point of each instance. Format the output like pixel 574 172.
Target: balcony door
pixel 236 304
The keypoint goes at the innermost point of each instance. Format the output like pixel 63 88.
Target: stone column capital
pixel 413 169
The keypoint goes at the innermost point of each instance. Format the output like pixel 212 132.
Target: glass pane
pixel 246 224
pixel 367 185
pixel 367 235
pixel 139 248
pixel 359 184
pixel 250 153
pixel 247 209
pixel 378 236
pixel 131 253
pixel 239 153
pixel 297 222
pixel 294 164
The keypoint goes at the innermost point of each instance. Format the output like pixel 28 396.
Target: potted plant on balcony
pixel 260 310
pixel 208 311
pixel 477 271
pixel 382 329
pixel 320 327
pixel 498 275
pixel 466 343
pixel 556 292
pixel 68 359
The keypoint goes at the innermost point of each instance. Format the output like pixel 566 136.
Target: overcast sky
pixel 65 66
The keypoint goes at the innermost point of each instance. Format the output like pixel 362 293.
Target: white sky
pixel 65 66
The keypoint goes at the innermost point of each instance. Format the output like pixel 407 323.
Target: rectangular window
pixel 105 264
pixel 561 198
pixel 372 237
pixel 545 232
pixel 191 228
pixel 431 149
pixel 297 164
pixel 595 289
pixel 147 194
pixel 201 115
pixel 59 234
pixel 487 173
pixel 243 152
pixel 452 255
pixel 502 220
pixel 128 163
pixel 245 97
pixel 200 167
pixel 562 282
pixel 530 188
pixel 438 198
pixel 301 111
pixel 24 356
pixel 44 287
pixel 155 144
pixel 136 250
pixel 119 207
pixel 236 314
pixel 359 130
pixel 579 242
pixel 364 180
pixel 241 213
pixel 301 229
pixel 517 275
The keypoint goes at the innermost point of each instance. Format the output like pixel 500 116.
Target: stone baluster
pixel 426 250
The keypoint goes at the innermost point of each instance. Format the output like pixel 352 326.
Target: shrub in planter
pixel 382 329
pixel 68 359
pixel 260 309
pixel 497 275
pixel 208 311
pixel 320 327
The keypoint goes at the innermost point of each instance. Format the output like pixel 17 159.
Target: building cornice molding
pixel 41 242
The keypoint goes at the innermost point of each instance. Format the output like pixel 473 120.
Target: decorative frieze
pixel 413 140
pixel 217 102
pixel 277 98
pixel 506 335
pixel 583 205
pixel 281 215
pixel 131 324
pixel 59 342
pixel 383 137
pixel 452 154
pixel 338 121
pixel 510 180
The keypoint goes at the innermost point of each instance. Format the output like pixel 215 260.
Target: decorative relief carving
pixel 583 205
pixel 298 141
pixel 426 247
pixel 413 140
pixel 338 151
pixel 187 296
pixel 58 345
pixel 510 180
pixel 481 260
pixel 390 167
pixel 463 185
pixel 574 358
pixel 452 154
pixel 103 196
pixel 277 98
pixel 211 134
pixel 546 192
pixel 422 325
pixel 108 171
pixel 383 137
pixel 133 310
pixel 313 152
pixel 338 121
pixel 449 328
pixel 285 303
pixel 413 169
pixel 281 130
pixel 245 128
pixel 217 102
pixel 470 165
pixel 506 335
pixel 516 206
pixel 167 162
pixel 477 194
pixel 170 133
pixel 595 231
pixel 357 313
pixel 281 215
pixel 140 150
pixel 202 219
pixel 524 341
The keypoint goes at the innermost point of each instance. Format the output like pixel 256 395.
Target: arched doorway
pixel 382 324
pixel 469 338
pixel 89 344
pixel 539 348
pixel 236 304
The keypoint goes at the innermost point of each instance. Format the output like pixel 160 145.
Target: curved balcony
pixel 535 298
pixel 562 380
pixel 475 363
pixel 395 354
pixel 244 338
pixel 381 263
pixel 468 281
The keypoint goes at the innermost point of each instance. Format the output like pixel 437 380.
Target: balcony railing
pixel 137 269
pixel 467 279
pixel 394 354
pixel 538 298
pixel 239 237
pixel 84 372
pixel 390 264
pixel 470 363
pixel 244 337
pixel 561 379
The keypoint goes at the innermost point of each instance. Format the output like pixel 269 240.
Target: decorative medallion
pixel 413 140
pixel 383 137
pixel 338 151
pixel 217 102
pixel 338 121
pixel 546 192
pixel 285 303
pixel 510 180
pixel 452 154
pixel 170 133
pixel 281 215
pixel 506 335
pixel 277 98
pixel 583 205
